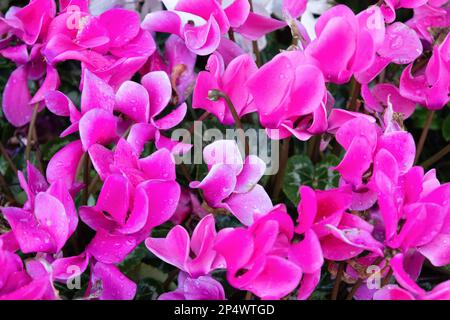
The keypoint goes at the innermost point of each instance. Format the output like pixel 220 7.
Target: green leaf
pixel 301 171
pixel 419 118
pixel 148 289
pixel 134 259
pixel 446 128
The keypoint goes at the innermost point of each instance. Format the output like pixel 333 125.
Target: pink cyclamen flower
pixel 97 105
pixel 188 205
pixel 29 26
pixel 201 288
pixel 108 283
pixel 389 6
pixel 342 235
pixel 179 64
pixel 137 195
pixel 381 95
pixel 428 17
pixel 401 45
pixel 33 282
pixel 47 219
pixel 232 183
pixel 346 43
pixel 176 248
pixel 112 45
pixel 261 265
pixel 231 80
pixel 409 290
pixel 202 27
pixel 289 94
pixel 430 86
pixel 140 103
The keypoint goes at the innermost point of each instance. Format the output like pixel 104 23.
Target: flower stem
pixel 354 95
pixel 203 117
pixel 337 282
pixel 436 157
pixel 255 43
pixel 284 156
pixel 9 195
pixel 5 154
pixel 360 281
pixel 388 277
pixel 231 35
pixel 424 134
pixel 30 131
pixel 214 95
pixel 86 178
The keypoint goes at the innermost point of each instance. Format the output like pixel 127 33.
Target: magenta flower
pixel 389 6
pixel 112 45
pixel 137 195
pixel 97 104
pixel 401 45
pixel 176 248
pixel 355 39
pixel 289 94
pixel 377 99
pixel 262 258
pixel 33 282
pixel 231 81
pixel 429 87
pixel 427 17
pixel 47 219
pixel 232 183
pixel 187 206
pixel 179 64
pixel 410 290
pixel 201 288
pixel 202 27
pixel 108 283
pixel 29 26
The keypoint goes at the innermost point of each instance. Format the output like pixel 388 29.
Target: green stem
pixel 354 95
pixel 360 281
pixel 8 158
pixel 284 156
pixel 86 178
pixel 255 43
pixel 214 95
pixel 424 134
pixel 9 195
pixel 30 131
pixel 436 157
pixel 337 282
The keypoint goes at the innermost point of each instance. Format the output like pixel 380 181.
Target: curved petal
pixel 174 249
pixel 63 165
pixel 132 100
pixel 97 126
pixel 16 98
pixel 159 90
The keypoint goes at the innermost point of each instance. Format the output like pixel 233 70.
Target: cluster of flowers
pixel 386 211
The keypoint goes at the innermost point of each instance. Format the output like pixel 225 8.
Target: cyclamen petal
pixel 174 249
pixel 97 126
pixel 65 163
pixel 110 248
pixel 279 277
pixel 245 206
pixel 159 91
pixel 132 100
pixel 115 286
pixel 96 93
pixel 16 98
